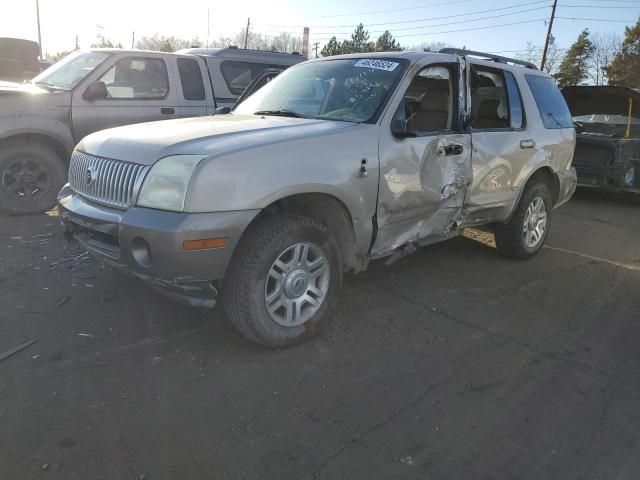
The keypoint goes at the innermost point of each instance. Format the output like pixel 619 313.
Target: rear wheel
pixel 525 234
pixel 283 279
pixel 31 175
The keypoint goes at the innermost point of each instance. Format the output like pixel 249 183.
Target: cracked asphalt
pixel 452 363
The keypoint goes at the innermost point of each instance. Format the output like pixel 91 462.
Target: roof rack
pixel 489 56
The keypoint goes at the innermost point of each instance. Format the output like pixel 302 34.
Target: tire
pixel 31 175
pixel 254 277
pixel 517 238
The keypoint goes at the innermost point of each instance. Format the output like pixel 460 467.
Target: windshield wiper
pixel 282 113
pixel 49 87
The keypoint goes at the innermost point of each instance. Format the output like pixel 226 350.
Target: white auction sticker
pixel 377 64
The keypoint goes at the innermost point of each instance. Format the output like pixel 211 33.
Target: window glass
pixel 489 101
pixel 551 104
pixel 142 78
pixel 349 90
pixel 238 75
pixel 515 101
pixel 427 105
pixel 191 79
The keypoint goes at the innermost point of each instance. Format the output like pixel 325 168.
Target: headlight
pixel 165 187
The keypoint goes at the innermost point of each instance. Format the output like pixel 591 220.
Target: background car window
pixel 515 101
pixel 427 105
pixel 191 79
pixel 238 75
pixel 489 100
pixel 140 78
pixel 551 104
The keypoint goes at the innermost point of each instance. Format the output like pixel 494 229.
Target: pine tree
pixel 359 42
pixel 331 48
pixel 386 43
pixel 574 68
pixel 624 69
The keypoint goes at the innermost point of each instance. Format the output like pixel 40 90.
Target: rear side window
pixel 137 78
pixel 551 104
pixel 238 75
pixel 515 101
pixel 191 79
pixel 489 100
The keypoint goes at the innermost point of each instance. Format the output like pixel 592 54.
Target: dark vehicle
pixel 19 59
pixel 607 120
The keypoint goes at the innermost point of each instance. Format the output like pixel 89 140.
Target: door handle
pixel 167 111
pixel 524 144
pixel 450 150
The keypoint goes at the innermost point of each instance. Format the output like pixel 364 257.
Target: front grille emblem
pixel 90 176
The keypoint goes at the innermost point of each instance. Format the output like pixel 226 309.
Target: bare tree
pixel 428 47
pixel 533 53
pixel 161 43
pixel 605 47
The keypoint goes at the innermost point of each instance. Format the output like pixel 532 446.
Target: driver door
pixel 425 160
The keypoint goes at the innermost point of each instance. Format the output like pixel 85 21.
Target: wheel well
pixel 58 147
pixel 326 208
pixel 548 176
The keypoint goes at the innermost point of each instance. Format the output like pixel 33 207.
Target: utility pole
pixel 315 47
pixel 77 43
pixel 133 40
pixel 39 34
pixel 246 33
pixel 546 43
pixel 208 11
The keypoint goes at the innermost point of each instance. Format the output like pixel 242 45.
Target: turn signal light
pixel 205 243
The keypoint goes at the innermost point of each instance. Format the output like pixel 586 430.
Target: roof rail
pixel 489 56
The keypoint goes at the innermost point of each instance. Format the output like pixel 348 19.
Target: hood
pixel 146 143
pixel 8 88
pixel 607 100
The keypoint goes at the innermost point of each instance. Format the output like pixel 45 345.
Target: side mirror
pixel 222 110
pixel 95 91
pixel 399 129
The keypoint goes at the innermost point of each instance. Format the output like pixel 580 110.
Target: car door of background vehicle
pixel 195 95
pixel 503 143
pixel 138 89
pixel 423 177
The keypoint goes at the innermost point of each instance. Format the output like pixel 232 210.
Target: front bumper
pixel 148 244
pixel 568 181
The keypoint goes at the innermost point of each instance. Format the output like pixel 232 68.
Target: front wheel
pixel 284 277
pixel 524 235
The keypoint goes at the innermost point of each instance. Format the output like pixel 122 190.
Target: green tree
pixel 386 43
pixel 359 42
pixel 624 69
pixel 574 68
pixel 332 47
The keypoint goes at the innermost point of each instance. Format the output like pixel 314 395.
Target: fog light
pixel 141 252
pixel 630 177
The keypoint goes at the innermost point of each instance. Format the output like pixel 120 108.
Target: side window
pixel 489 99
pixel 427 105
pixel 551 104
pixel 191 79
pixel 238 75
pixel 137 78
pixel 515 101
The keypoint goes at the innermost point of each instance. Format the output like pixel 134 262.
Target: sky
pixel 412 22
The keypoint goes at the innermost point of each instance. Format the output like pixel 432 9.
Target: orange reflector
pixel 205 243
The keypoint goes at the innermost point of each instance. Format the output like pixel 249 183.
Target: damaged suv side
pixel 607 120
pixel 333 163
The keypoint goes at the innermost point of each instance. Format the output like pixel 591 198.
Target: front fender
pixel 56 128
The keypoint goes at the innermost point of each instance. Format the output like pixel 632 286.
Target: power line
pixel 431 5
pixel 517 5
pixel 594 6
pixel 598 19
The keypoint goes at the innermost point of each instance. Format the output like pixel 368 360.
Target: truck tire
pixel 524 235
pixel 283 280
pixel 31 175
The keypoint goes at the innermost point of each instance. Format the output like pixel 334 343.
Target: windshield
pixel 605 118
pixel 350 90
pixel 70 71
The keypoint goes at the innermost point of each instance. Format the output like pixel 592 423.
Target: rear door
pixel 138 90
pixel 195 94
pixel 425 170
pixel 503 141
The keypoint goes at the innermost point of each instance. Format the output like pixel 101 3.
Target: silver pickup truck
pixel 333 163
pixel 41 121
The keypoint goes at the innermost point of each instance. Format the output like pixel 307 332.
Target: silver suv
pixel 333 163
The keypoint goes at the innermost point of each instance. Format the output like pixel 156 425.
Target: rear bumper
pixel 148 244
pixel 568 180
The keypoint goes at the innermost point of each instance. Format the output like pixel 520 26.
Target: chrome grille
pixel 108 182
